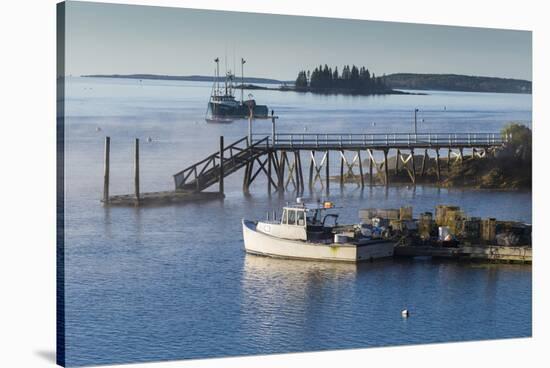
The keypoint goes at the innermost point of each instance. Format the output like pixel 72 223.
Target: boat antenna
pixel 225 61
pixel 242 79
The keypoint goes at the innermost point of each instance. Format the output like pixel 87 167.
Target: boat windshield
pixel 314 217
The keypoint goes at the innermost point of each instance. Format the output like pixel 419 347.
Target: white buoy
pixel 405 313
pixel 149 139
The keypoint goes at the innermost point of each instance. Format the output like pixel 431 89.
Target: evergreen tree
pixel 350 80
pixel 301 81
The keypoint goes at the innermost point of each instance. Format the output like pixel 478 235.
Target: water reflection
pixel 286 297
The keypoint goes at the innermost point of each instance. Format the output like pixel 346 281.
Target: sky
pixel 125 39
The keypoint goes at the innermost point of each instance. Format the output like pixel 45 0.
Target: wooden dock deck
pixel 161 198
pixel 482 253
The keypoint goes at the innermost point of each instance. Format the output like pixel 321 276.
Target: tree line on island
pixel 354 80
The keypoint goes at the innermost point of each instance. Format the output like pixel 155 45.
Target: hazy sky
pixel 110 38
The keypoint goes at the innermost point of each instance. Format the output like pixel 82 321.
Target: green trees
pixel 519 140
pixel 301 81
pixel 351 80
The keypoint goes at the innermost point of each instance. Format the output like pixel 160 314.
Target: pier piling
pixel 437 164
pixel 221 188
pixel 386 176
pixel 397 158
pixel 327 170
pixel 311 163
pixel 361 169
pixel 371 179
pixel 136 169
pixel 424 158
pixel 106 170
pixel 413 166
pixel 341 168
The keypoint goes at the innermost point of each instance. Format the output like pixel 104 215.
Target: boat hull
pixel 239 111
pixel 256 242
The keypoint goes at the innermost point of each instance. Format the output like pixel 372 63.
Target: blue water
pixel 146 284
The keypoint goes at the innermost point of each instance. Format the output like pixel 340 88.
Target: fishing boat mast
pixel 242 79
pixel 217 61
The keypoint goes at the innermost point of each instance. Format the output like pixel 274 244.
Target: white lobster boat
pixel 303 233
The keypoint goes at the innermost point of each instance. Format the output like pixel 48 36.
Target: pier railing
pixel 409 140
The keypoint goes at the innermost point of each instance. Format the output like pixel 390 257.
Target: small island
pixel 352 80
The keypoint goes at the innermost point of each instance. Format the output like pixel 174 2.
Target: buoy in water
pixel 98 129
pixel 405 313
pixel 149 139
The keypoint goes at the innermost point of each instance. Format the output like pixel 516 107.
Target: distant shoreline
pixel 190 78
pixel 396 82
pixel 329 91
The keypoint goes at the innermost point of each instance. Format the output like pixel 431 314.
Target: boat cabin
pixel 302 222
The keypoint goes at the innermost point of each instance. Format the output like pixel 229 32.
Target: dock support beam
pixel 106 170
pixel 311 163
pixel 327 170
pixel 341 168
pixel 413 166
pixel 269 158
pixel 281 173
pixel 361 169
pixel 424 158
pixel 136 170
pixel 397 158
pixel 386 167
pixel 371 179
pixel 221 165
pixel 437 164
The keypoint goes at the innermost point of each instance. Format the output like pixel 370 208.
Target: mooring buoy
pixel 405 313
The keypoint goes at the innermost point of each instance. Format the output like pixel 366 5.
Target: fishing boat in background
pixel 304 232
pixel 222 105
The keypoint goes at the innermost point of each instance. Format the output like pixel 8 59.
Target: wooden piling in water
pixel 361 169
pixel 386 167
pixel 269 158
pixel 300 171
pixel 327 170
pixel 438 167
pixel 371 179
pixel 413 166
pixel 341 168
pixel 106 170
pixel 136 170
pixel 397 158
pixel 311 163
pixel 424 158
pixel 281 178
pixel 221 189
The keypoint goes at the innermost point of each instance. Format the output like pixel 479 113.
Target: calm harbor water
pixel 145 284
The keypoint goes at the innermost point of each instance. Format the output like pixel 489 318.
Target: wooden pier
pixel 482 253
pixel 281 158
pixel 151 198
